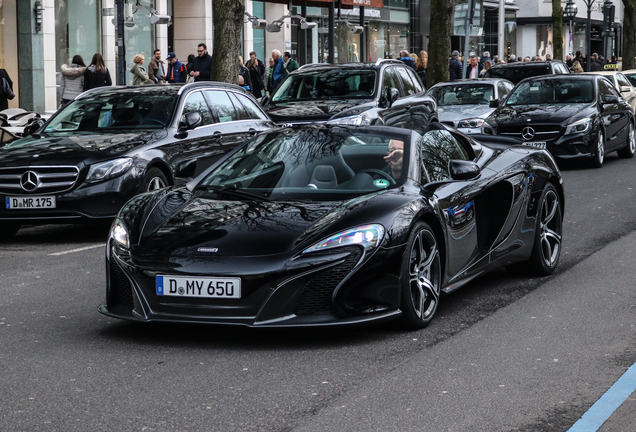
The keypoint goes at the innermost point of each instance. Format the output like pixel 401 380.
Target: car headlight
pixel 354 120
pixel 107 170
pixel 119 233
pixel 368 236
pixel 580 126
pixel 471 123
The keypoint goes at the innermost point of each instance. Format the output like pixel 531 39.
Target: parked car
pixel 322 225
pixel 630 74
pixel 518 71
pixel 112 143
pixel 622 84
pixel 355 93
pixel 578 116
pixel 464 104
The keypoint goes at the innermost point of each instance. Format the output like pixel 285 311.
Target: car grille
pixel 541 132
pixel 37 180
pixel 120 289
pixel 316 296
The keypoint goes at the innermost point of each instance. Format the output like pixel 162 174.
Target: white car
pixel 622 84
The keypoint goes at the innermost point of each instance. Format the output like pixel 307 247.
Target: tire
pixel 153 180
pixel 8 230
pixel 629 150
pixel 548 233
pixel 421 277
pixel 599 151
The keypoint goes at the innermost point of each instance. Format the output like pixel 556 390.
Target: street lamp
pixel 570 12
pixel 588 34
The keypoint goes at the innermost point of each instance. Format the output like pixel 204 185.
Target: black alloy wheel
pixel 8 230
pixel 629 150
pixel 599 150
pixel 154 179
pixel 548 233
pixel 421 277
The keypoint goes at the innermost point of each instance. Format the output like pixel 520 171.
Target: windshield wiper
pixel 234 190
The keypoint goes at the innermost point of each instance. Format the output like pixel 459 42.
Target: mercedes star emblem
pixel 29 181
pixel 527 133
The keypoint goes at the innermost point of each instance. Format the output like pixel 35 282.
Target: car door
pixel 615 116
pixel 626 89
pixel 456 200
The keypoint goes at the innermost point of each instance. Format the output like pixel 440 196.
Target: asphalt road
pixel 506 353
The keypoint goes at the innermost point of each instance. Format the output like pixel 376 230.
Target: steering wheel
pixel 380 172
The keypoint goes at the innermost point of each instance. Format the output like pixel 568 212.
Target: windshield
pixel 328 84
pixel 119 111
pixel 552 91
pixel 463 94
pixel 631 77
pixel 516 74
pixel 316 164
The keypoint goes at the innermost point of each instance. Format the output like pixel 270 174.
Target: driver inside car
pixel 394 158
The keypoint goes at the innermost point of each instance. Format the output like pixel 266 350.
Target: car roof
pixel 168 89
pixel 472 80
pixel 378 64
pixel 525 64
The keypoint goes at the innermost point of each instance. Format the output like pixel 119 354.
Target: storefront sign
pixel 380 42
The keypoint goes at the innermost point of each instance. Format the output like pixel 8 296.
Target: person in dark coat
pixel 96 74
pixel 407 60
pixel 177 71
pixel 455 66
pixel 191 58
pixel 474 67
pixel 595 66
pixel 202 64
pixel 256 77
pixel 4 100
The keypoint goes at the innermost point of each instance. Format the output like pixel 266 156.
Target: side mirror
pixel 264 100
pixel 610 99
pixel 494 103
pixel 389 97
pixel 190 121
pixel 33 127
pixel 187 169
pixel 463 170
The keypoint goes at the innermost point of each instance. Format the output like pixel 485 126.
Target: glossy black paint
pixel 485 221
pixel 612 119
pixel 178 151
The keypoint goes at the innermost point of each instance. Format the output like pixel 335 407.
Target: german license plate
pixel 538 144
pixel 203 287
pixel 26 203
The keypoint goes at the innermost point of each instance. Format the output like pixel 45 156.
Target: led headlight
pixel 580 126
pixel 119 233
pixel 471 123
pixel 107 170
pixel 368 236
pixel 354 120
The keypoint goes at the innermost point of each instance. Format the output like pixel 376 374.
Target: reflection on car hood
pixel 310 110
pixel 455 113
pixel 67 148
pixel 240 228
pixel 554 114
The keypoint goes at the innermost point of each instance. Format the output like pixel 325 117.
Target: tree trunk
pixel 227 17
pixel 557 30
pixel 439 46
pixel 629 34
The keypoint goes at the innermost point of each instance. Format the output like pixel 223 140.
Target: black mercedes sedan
pixel 325 225
pixel 576 116
pixel 112 143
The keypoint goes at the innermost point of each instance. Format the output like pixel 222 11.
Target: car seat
pixel 304 173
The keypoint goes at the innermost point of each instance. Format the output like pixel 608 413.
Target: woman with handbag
pixel 6 89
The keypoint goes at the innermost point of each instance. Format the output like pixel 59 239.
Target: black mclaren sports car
pixel 325 225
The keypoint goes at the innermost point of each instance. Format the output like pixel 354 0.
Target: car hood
pixel 73 148
pixel 203 227
pixel 455 113
pixel 311 111
pixel 553 114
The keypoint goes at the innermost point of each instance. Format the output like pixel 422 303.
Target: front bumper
pixel 338 288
